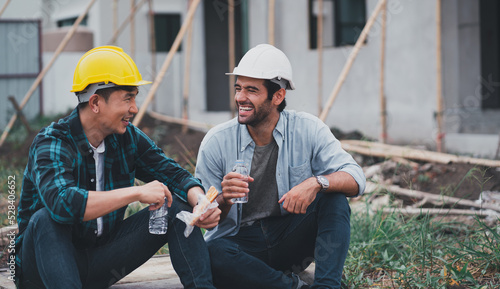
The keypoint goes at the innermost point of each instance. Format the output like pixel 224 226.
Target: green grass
pixel 392 251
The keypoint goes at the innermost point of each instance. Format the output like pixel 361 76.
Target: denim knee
pixel 42 215
pixel 42 219
pixel 335 202
pixel 221 252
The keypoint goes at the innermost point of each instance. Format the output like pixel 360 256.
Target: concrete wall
pixel 410 67
pixel 410 76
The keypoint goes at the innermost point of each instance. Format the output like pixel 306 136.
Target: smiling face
pixel 117 111
pixel 252 102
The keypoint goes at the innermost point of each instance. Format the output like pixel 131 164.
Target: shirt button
pixel 95 232
pixel 92 180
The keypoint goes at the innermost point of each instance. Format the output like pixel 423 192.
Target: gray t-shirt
pixel 263 195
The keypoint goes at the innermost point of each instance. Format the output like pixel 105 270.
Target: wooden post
pixel 20 113
pixel 439 81
pixel 132 30
pixel 383 105
pixel 40 76
pixel 166 63
pixel 4 7
pixel 187 71
pixel 350 60
pixel 152 37
pixel 125 22
pixel 232 61
pixel 270 21
pixel 319 46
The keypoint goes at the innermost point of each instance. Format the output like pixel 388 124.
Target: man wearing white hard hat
pixel 80 178
pixel 299 180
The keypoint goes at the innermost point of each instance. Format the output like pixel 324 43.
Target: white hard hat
pixel 265 61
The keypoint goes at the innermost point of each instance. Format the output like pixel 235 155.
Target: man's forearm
pixel 105 202
pixel 342 182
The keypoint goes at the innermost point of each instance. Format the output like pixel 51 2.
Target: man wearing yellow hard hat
pixel 79 181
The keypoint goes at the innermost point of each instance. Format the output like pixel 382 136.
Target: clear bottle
pixel 158 223
pixel 240 168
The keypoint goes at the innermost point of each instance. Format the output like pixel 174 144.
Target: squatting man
pixel 79 181
pixel 300 176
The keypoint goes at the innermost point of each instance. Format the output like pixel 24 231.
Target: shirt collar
pixel 78 134
pixel 278 133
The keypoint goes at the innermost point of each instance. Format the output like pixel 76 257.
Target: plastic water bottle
pixel 158 223
pixel 241 169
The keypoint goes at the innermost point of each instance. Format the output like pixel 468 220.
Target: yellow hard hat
pixel 106 64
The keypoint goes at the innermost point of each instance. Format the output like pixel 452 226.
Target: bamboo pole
pixel 132 30
pixel 125 22
pixel 21 114
pixel 166 63
pixel 232 61
pixel 187 72
pixel 152 38
pixel 385 151
pixel 319 46
pixel 270 21
pixel 439 81
pixel 350 60
pixel 439 211
pixel 439 200
pixel 383 105
pixel 44 71
pixel 4 7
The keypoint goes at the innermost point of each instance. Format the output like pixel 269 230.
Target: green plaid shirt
pixel 61 171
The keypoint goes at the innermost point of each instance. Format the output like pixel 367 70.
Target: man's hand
pixel 210 219
pixel 154 193
pixel 298 199
pixel 233 186
pixel 100 203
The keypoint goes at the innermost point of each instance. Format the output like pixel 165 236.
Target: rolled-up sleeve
pixel 330 157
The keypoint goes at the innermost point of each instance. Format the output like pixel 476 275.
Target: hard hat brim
pixel 291 85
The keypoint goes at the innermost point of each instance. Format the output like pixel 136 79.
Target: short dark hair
pixel 106 92
pixel 272 88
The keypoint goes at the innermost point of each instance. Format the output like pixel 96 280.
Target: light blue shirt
pixel 306 148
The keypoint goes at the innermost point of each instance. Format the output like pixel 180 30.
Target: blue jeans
pixel 264 254
pixel 51 259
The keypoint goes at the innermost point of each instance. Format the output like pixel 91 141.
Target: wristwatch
pixel 324 183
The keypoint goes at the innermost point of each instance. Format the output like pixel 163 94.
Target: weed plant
pixel 393 251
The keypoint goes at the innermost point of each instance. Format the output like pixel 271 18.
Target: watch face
pixel 323 182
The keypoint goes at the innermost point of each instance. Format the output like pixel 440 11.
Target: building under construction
pixel 400 71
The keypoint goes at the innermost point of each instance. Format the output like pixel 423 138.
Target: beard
pixel 259 113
